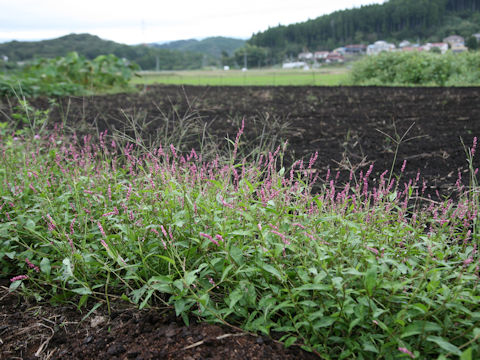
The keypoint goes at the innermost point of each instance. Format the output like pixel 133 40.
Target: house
pixel 305 56
pixel 379 46
pixel 355 49
pixel 454 39
pixel 443 47
pixel 477 36
pixel 458 48
pixel 321 55
pixel 404 43
pixel 334 58
pixel 340 50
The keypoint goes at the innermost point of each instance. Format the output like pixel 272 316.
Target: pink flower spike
pixel 375 251
pixel 219 237
pixel 164 232
pixel 406 351
pixel 100 227
pixel 31 266
pixel 105 245
pixel 474 146
pixel 19 277
pixel 468 261
pixel 209 238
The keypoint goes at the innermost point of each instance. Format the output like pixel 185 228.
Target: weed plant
pixel 351 272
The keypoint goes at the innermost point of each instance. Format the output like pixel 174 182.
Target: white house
pixel 305 56
pixel 379 46
pixel 321 55
pixel 443 47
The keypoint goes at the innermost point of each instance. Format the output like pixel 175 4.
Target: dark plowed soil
pixel 349 127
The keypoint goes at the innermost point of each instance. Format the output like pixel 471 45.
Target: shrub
pixel 72 74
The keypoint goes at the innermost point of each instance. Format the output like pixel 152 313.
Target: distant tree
pixel 472 43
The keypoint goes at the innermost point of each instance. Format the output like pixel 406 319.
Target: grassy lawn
pixel 330 76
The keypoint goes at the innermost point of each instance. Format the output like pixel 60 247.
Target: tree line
pixel 395 20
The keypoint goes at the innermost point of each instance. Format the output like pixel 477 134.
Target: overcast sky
pixel 142 21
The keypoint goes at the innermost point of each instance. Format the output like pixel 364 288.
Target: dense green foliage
pixel 72 74
pixel 351 272
pixel 418 68
pixel 395 20
pixel 90 47
pixel 213 47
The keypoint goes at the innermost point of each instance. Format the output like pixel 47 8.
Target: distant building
pixel 356 49
pixel 458 48
pixel 443 47
pixel 454 40
pixel 340 50
pixel 334 58
pixel 380 46
pixel 305 56
pixel 477 36
pixel 294 65
pixel 404 44
pixel 321 55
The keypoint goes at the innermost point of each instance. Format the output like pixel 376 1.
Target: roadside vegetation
pixel 418 68
pixel 72 74
pixel 353 271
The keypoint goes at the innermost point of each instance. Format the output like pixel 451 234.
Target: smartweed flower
pixel 406 351
pixel 31 266
pixel 100 227
pixel 19 277
pixel 209 238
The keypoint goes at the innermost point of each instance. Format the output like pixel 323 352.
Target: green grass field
pixel 270 77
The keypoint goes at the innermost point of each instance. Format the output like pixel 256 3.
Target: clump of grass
pixel 350 272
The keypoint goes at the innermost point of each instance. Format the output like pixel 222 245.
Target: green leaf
pixel 225 272
pixel 370 280
pixel 167 259
pixel 14 285
pixel 445 345
pixel 290 341
pixel 30 224
pixel 235 297
pixel 319 287
pixel 420 327
pixel 467 354
pixel 179 306
pixel 82 301
pixel 82 291
pixel 324 322
pixel 271 270
pixel 45 266
pixel 190 277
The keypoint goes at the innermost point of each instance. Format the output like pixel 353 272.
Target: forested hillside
pixel 92 46
pixel 395 20
pixel 212 46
